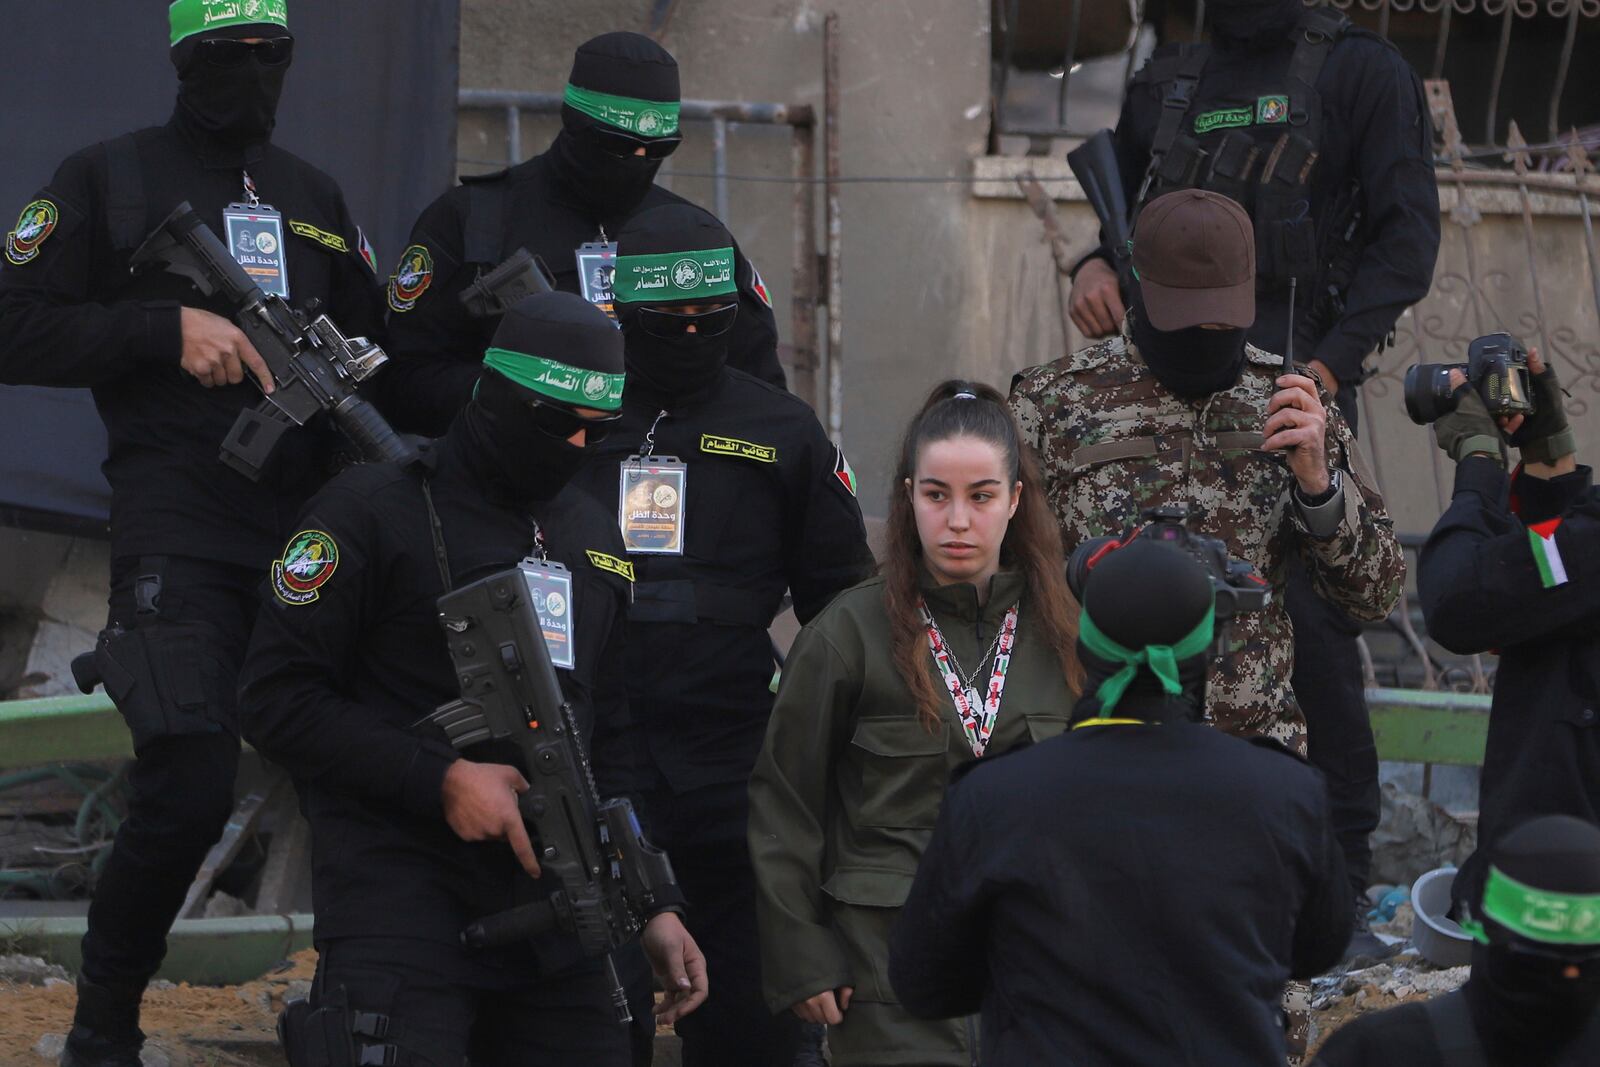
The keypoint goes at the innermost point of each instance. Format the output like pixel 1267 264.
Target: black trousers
pixel 1327 684
pixel 181 785
pixel 704 833
pixel 443 1008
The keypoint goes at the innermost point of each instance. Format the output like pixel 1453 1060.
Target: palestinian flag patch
pixel 309 560
pixel 1546 556
pixel 411 278
pixel 843 471
pixel 37 222
pixel 760 286
pixel 364 249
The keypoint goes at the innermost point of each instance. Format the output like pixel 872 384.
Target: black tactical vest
pixel 1258 144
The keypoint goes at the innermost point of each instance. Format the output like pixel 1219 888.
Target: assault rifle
pixel 607 877
pixel 315 367
pixel 1094 163
pixel 522 274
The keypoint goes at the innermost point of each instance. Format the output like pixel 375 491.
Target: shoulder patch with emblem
pixel 364 249
pixel 760 286
pixel 322 237
pixel 309 560
pixel 37 222
pixel 843 471
pixel 620 567
pixel 411 278
pixel 732 446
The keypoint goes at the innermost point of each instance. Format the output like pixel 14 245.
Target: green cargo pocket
pixel 903 772
pixel 866 901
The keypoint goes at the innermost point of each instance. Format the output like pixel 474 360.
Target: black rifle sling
pixel 1453 1033
pixel 485 236
pixel 1318 32
pixel 126 211
pixel 1175 102
pixel 436 531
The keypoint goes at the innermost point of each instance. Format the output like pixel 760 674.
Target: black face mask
pixel 1252 23
pixel 608 185
pixel 501 437
pixel 1193 363
pixel 1524 1003
pixel 672 367
pixel 237 105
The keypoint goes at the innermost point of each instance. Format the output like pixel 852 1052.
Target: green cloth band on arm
pixel 1162 660
pixel 558 381
pixel 189 17
pixel 669 277
pixel 647 118
pixel 1536 914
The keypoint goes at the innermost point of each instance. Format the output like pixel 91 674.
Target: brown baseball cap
pixel 1194 253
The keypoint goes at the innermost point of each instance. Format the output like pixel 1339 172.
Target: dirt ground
pixel 193 1026
pixel 196 1026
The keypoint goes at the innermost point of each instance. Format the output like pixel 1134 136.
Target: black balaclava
pixel 497 432
pixel 235 106
pixel 1522 1006
pixel 1252 24
pixel 671 368
pixel 618 64
pixel 1142 594
pixel 1193 362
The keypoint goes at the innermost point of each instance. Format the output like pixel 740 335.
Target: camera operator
pixel 1138 890
pixel 1512 566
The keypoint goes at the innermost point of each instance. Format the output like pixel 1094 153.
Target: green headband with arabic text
pixel 558 381
pixel 189 17
pixel 1161 660
pixel 670 277
pixel 647 118
pixel 1566 919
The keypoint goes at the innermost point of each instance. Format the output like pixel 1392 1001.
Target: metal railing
pixel 1405 22
pixel 724 117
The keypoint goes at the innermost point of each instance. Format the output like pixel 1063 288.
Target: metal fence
pixel 816 281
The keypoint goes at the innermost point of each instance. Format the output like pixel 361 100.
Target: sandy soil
pixel 197 1026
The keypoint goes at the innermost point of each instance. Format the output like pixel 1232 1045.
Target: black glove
pixel 1469 428
pixel 1545 436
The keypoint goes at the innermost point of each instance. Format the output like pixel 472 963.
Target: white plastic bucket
pixel 1436 936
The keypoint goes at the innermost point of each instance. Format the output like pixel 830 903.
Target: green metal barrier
pixel 1422 726
pixel 54 729
pixel 199 951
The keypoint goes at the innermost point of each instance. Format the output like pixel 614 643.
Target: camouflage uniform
pixel 1112 441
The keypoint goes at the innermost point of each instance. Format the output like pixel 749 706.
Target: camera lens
pixel 1427 392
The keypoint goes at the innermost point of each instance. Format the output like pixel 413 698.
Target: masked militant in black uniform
pixel 189 536
pixel 1138 890
pixel 1320 130
pixel 1533 999
pixel 727 492
pixel 347 662
pixel 566 206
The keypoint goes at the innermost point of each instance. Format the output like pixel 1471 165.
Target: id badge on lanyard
pixel 597 272
pixel 651 494
pixel 549 587
pixel 254 232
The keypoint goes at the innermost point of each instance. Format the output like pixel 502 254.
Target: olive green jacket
pixel 844 796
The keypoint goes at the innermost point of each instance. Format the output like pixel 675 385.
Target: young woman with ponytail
pixel 961 647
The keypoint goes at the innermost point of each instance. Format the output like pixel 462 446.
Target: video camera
pixel 1239 589
pixel 1496 366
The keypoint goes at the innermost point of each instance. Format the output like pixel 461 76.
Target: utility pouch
pixel 167 679
pixel 1233 162
pixel 1180 166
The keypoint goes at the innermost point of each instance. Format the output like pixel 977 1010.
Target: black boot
pixel 105 1027
pixel 1366 948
